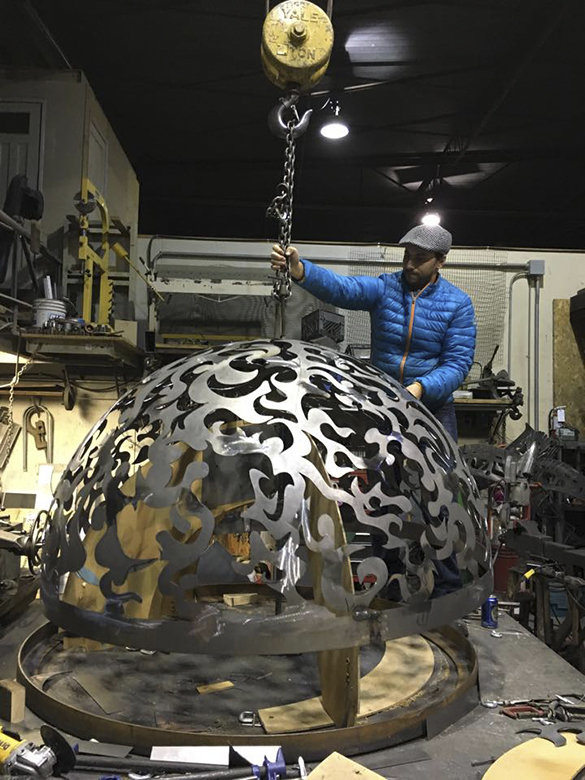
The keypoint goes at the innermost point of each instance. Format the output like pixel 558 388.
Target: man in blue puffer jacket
pixel 423 327
pixel 423 335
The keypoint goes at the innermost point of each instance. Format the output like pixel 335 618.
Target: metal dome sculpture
pixel 312 455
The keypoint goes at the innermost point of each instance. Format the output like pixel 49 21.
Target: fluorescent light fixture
pixel 334 127
pixel 431 219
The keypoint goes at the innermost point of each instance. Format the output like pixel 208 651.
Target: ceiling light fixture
pixel 334 127
pixel 431 218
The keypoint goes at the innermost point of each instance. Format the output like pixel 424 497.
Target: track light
pixel 334 127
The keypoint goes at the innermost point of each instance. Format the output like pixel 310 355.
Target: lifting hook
pixel 277 117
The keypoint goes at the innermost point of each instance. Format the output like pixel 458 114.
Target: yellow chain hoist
pixel 297 41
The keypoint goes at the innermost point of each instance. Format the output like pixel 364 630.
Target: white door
pixel 20 143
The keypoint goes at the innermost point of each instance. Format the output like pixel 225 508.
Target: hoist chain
pixel 12 429
pixel 281 209
pixel 12 385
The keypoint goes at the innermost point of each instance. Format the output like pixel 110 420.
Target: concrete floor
pixel 512 667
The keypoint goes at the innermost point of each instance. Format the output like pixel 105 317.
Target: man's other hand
pixel 415 389
pixel 278 261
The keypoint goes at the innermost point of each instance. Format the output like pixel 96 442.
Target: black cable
pixel 550 414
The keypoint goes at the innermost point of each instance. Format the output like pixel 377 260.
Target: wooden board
pixel 540 759
pixel 339 669
pixel 339 672
pixel 215 687
pixel 240 599
pixel 406 666
pixel 568 367
pixel 338 767
pixel 12 701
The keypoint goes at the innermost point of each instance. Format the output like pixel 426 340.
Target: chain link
pixel 281 209
pixel 12 384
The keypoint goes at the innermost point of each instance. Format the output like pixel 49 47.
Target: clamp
pixel 249 718
pixel 520 711
pixel 271 770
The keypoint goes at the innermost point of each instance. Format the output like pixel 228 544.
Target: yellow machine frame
pixel 90 259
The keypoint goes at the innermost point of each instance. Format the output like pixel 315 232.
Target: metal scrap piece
pixel 555 733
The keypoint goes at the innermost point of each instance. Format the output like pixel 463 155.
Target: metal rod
pixel 536 354
pixel 176 255
pixel 90 761
pixel 170 768
pixel 123 255
pixel 87 760
pixel 7 221
pixel 16 300
pixel 213 773
pixel 47 287
pixel 528 357
pixel 510 310
pixel 14 283
pixel 46 32
pixel 217 775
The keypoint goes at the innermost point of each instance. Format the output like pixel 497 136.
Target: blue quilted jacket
pixel 426 337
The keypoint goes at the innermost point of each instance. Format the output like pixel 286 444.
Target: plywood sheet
pixel 215 687
pixel 339 669
pixel 406 666
pixel 338 767
pixel 568 367
pixel 540 759
pixel 339 673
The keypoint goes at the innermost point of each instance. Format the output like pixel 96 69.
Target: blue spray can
pixel 489 613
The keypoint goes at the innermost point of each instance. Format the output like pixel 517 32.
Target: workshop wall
pixel 568 366
pixel 120 188
pixel 564 276
pixel 69 430
pixel 62 96
pixel 76 138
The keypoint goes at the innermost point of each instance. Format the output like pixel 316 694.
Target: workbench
pixel 515 666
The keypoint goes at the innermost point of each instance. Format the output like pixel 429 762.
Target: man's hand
pixel 278 261
pixel 415 389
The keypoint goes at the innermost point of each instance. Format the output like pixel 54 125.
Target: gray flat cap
pixel 433 238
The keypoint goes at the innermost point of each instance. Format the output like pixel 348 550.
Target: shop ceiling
pixel 482 100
